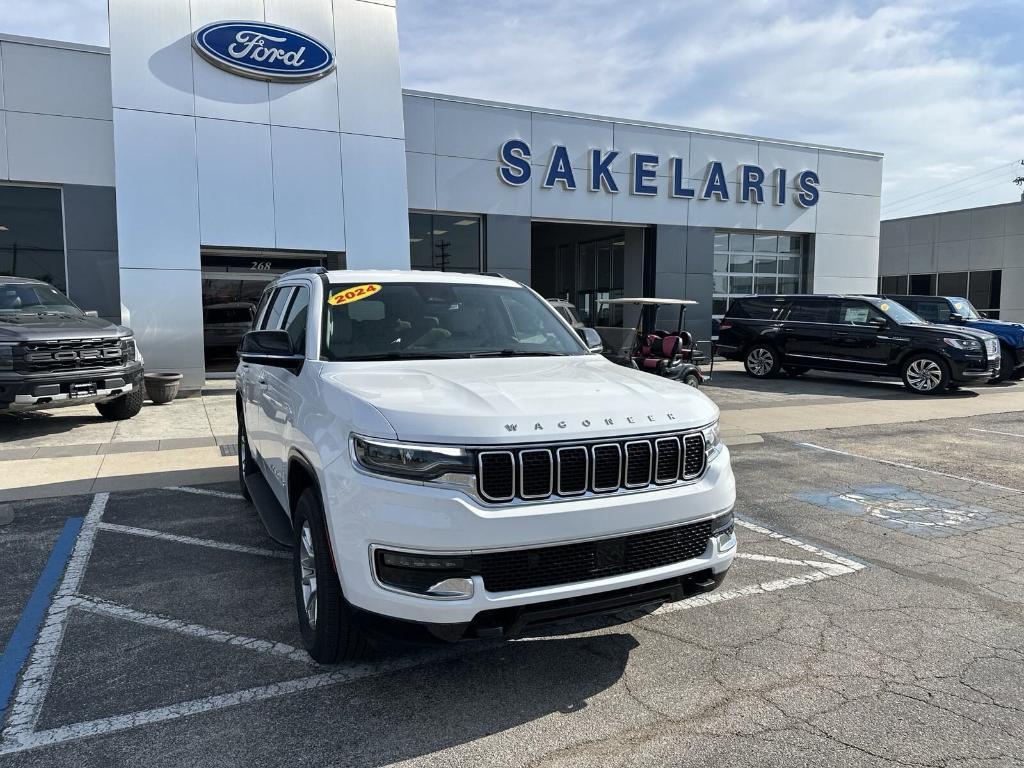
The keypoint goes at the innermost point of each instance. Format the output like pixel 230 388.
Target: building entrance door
pixel 233 282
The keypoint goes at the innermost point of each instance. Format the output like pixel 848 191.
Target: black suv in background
pixel 53 354
pixel 858 334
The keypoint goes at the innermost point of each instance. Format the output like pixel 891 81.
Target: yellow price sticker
pixel 355 293
pixel 885 307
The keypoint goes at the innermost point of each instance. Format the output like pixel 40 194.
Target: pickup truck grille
pixel 68 355
pixel 539 472
pixel 587 560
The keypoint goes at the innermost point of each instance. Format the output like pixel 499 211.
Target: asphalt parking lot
pixel 876 617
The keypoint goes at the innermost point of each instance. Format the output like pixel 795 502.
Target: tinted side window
pixel 295 322
pixel 858 313
pixel 276 310
pixel 811 311
pixel 756 309
pixel 261 308
pixel 934 311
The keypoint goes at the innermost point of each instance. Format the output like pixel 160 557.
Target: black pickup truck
pixel 54 354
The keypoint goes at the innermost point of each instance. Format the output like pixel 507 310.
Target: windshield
pixel 899 313
pixel 439 320
pixel 34 298
pixel 965 309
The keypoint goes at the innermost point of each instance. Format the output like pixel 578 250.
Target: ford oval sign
pixel 263 51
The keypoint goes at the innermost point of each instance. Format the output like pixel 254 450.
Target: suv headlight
pixel 712 440
pixel 131 349
pixel 6 356
pixel 408 461
pixel 972 344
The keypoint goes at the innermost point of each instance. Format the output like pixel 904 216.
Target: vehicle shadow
pixel 821 384
pixel 406 715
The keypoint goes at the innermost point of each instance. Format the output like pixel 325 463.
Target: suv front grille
pixel 587 560
pixel 68 355
pixel 598 467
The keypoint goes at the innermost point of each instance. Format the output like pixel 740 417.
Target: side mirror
pixel 955 318
pixel 878 322
pixel 91 313
pixel 592 339
pixel 270 348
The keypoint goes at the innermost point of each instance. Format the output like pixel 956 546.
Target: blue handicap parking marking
pixel 24 636
pixel 899 508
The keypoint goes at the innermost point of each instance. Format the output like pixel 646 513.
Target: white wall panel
pixel 955 225
pixel 723 215
pixel 164 308
pixel 840 214
pixel 952 257
pixel 861 285
pixel 854 174
pixel 845 256
pixel 151 58
pixel 1015 219
pixel 643 209
pixel 921 258
pixel 4 170
pixel 577 135
pixel 895 232
pixel 157 192
pixel 784 218
pixel 469 130
pixel 986 253
pixel 894 260
pixel 56 81
pixel 1013 251
pixel 71 150
pixel 236 185
pixel 988 222
pixel 419 168
pixel 369 82
pixel 376 202
pixel 473 186
pixel 308 208
pixel 666 144
pixel 923 230
pixel 1012 296
pixel 794 159
pixel 581 204
pixel 1 77
pixel 419 124
pixel 731 153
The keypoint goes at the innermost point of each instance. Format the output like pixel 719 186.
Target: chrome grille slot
pixel 536 474
pixel 638 464
pixel 573 470
pixel 693 456
pixel 668 461
pixel 607 467
pixel 497 475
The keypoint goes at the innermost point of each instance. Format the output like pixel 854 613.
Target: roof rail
pixel 494 274
pixel 304 271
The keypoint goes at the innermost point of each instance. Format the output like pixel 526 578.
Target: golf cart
pixel 672 354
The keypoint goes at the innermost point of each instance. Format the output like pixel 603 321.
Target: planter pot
pixel 162 387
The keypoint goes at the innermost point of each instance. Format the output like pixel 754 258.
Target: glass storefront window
pixel 766 243
pixel 445 243
pixel 984 289
pixel 922 285
pixel 953 284
pixel 758 263
pixel 32 234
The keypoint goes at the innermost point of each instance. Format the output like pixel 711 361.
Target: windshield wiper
pixel 398 356
pixel 516 353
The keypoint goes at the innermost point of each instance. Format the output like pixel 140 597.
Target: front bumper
pixel 964 368
pixel 28 392
pixel 366 513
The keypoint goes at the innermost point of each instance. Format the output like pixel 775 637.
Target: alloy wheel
pixel 924 375
pixel 760 361
pixel 307 565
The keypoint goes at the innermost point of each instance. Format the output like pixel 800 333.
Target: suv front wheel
pixel 762 361
pixel 925 374
pixel 123 407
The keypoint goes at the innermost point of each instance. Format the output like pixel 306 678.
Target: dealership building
pixel 163 183
pixel 976 253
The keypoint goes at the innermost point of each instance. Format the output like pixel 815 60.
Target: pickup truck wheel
pixel 762 361
pixel 243 462
pixel 325 619
pixel 123 407
pixel 925 374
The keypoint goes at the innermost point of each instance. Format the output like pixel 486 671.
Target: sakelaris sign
pixel 515 169
pixel 263 51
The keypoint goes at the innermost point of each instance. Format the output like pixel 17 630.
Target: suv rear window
pixel 811 311
pixel 756 308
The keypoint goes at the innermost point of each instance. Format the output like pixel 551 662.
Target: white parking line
pixel 149 533
pixel 847 565
pixel 911 466
pixel 205 492
pixel 711 598
pixel 35 682
pixel 106 608
pixel 994 432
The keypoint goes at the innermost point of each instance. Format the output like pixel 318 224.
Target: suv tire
pixel 123 407
pixel 925 374
pixel 244 458
pixel 325 619
pixel 762 361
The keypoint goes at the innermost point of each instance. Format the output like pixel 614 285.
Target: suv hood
pixel 48 327
pixel 1011 332
pixel 488 401
pixel 934 329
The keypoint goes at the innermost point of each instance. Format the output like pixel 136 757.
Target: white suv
pixel 450 459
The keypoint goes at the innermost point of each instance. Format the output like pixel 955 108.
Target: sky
pixel 938 87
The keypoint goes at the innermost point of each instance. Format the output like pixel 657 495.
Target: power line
pixel 899 201
pixel 949 194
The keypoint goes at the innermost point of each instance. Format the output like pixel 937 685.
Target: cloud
pixel 78 21
pixel 931 87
